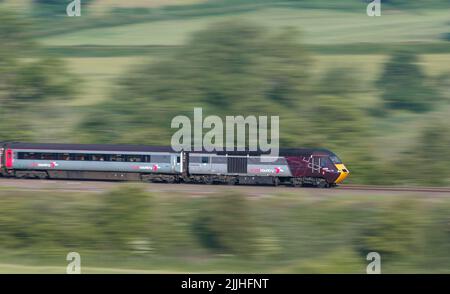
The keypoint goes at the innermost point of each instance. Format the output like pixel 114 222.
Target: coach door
pixel 176 161
pixel 184 163
pixel 237 165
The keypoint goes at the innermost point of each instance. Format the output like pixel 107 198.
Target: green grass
pixel 324 49
pixel 319 27
pixel 100 76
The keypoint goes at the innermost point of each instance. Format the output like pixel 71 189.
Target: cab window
pixel 335 159
pixel 324 162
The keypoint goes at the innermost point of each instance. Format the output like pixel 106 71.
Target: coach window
pixel 23 155
pixel 134 158
pixel 30 155
pixel 49 156
pixel 98 157
pixel 78 156
pixel 335 159
pixel 117 157
pixel 205 159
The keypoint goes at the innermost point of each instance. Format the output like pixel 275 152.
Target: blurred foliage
pixel 124 216
pixel 394 235
pixel 412 4
pixel 32 91
pixel 224 224
pixel 281 234
pixel 426 162
pixel 405 85
pixel 229 68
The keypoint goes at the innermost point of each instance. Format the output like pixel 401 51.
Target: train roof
pixel 90 147
pixel 146 148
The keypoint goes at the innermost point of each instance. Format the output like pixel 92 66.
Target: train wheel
pixel 323 184
pixel 296 182
pixel 231 181
pixel 208 180
pixel 276 181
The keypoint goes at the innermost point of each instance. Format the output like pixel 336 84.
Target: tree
pixel 404 84
pixel 430 156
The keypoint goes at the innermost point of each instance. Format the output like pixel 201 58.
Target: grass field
pixel 99 76
pixel 318 27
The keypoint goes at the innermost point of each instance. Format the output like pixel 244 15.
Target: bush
pixel 426 161
pixel 224 224
pixel 41 222
pixel 171 226
pixel 405 85
pixel 394 230
pixel 124 216
pixel 437 236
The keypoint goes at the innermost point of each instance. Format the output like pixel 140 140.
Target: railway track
pixel 394 188
pixel 198 189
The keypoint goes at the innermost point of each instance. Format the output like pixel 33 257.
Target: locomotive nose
pixel 343 173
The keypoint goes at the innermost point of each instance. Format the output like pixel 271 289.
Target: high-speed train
pixel 293 167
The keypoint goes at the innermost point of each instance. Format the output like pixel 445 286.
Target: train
pixel 292 167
